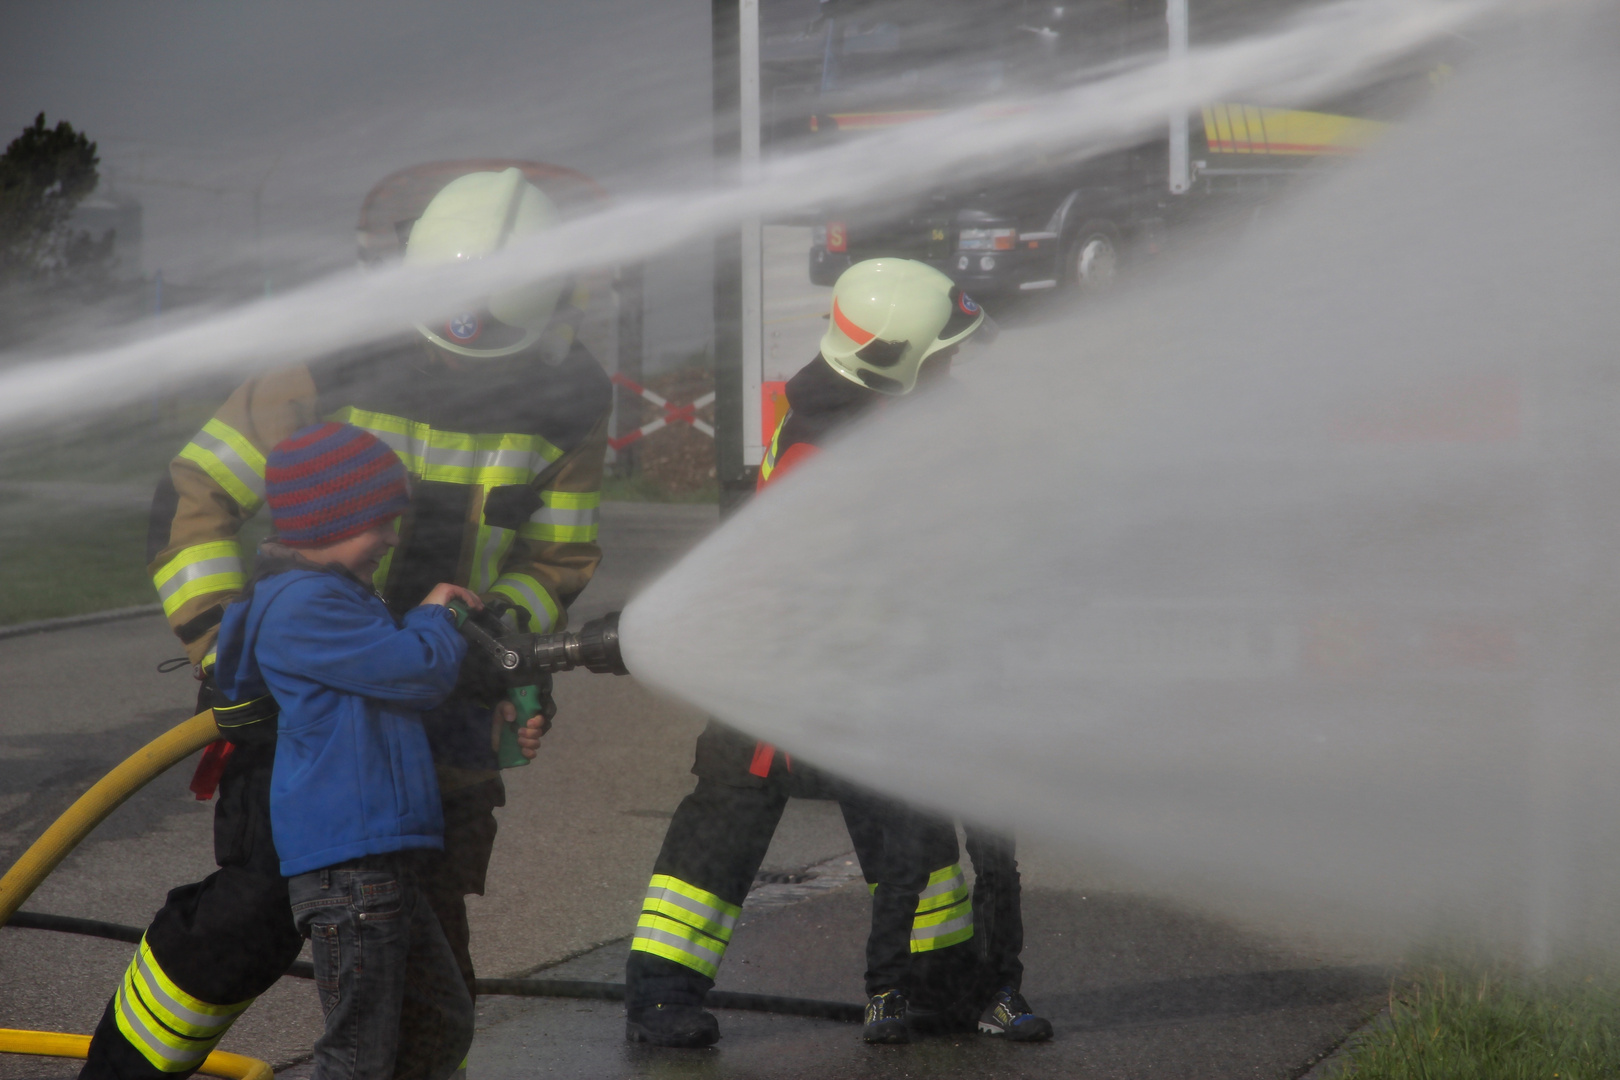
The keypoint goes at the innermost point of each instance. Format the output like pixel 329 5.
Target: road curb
pixel 1331 1065
pixel 69 622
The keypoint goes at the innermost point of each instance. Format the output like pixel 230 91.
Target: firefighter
pixel 500 417
pixel 894 324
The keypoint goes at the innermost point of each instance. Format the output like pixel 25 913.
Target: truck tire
pixel 1091 261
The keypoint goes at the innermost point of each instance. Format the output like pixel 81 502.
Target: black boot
pixel 1010 1015
pixel 886 1018
pixel 672 1025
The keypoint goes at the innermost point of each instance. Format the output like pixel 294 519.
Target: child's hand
pixel 528 735
pixel 444 592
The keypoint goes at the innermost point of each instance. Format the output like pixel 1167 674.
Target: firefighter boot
pixel 886 1018
pixel 672 1025
pixel 1010 1015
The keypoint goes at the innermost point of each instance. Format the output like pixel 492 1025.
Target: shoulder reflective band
pixel 492 546
pixel 532 596
pixel 685 924
pixel 230 460
pixel 199 570
pixel 171 1029
pixel 944 911
pixel 564 517
pixel 768 466
pixel 453 457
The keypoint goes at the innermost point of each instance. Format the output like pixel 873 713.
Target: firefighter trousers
pixel 219 943
pixel 922 922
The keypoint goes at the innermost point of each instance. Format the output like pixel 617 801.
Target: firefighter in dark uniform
pixel 501 419
pixel 893 323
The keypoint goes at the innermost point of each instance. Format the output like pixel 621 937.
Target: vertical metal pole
pixel 730 467
pixel 753 270
pixel 1175 14
pixel 627 406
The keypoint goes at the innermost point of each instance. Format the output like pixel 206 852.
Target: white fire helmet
pixel 889 315
pixel 474 216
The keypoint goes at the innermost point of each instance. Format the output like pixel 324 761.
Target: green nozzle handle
pixel 527 700
pixel 460 610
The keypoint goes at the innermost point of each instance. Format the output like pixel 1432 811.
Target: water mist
pixel 1294 576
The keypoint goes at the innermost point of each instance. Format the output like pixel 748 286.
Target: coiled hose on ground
pixel 134 773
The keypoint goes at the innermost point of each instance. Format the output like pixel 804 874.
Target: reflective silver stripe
pixel 540 609
pixel 215 1025
pixel 948 885
pixel 221 564
pixel 228 457
pixel 134 1024
pixel 489 557
pixel 696 907
pixel 692 948
pixel 566 516
pixel 939 930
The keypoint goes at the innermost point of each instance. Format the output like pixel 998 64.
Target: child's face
pixel 360 554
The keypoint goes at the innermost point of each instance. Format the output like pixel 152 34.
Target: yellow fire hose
pixel 108 794
pixel 65 834
pixel 54 1044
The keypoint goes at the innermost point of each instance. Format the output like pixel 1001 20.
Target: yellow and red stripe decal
pixel 1252 129
pixel 862 120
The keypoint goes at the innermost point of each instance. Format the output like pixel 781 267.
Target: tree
pixel 45 173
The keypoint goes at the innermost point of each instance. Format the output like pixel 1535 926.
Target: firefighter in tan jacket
pixel 500 417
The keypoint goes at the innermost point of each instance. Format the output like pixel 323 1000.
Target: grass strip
pixel 1473 1020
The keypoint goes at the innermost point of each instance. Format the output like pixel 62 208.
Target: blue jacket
pixel 353 773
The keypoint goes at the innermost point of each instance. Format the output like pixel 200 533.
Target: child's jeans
pixel 376 943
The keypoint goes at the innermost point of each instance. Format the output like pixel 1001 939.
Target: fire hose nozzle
pixel 595 648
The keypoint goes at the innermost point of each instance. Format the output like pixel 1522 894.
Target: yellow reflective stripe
pixel 491 547
pixel 768 466
pixel 139 1030
pixel 180 1012
pixel 197 571
pixel 528 593
pixel 488 460
pixel 946 886
pixel 564 517
pixel 230 460
pixel 677 942
pixel 698 909
pixel 942 928
pixel 171 1029
pixel 692 892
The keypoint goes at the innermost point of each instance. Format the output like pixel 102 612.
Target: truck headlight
pixel 986 239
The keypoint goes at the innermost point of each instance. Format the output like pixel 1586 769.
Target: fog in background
pixel 196 106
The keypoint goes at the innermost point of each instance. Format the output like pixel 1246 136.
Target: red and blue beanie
pixel 331 481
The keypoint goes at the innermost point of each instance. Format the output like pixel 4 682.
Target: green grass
pixel 1470 1020
pixel 58 558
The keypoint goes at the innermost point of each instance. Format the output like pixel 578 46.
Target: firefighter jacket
pixel 353 772
pixel 505 458
pixel 820 401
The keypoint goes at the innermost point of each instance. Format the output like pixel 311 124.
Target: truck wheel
pixel 1093 258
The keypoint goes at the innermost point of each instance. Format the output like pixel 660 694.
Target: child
pixel 353 799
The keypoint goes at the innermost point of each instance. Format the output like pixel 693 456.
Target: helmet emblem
pixel 965 302
pixel 464 327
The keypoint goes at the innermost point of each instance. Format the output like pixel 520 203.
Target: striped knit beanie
pixel 331 481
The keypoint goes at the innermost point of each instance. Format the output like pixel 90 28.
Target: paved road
pixel 1135 987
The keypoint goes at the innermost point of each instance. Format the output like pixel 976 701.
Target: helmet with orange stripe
pixel 889 315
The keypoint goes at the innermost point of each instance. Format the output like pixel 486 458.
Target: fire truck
pixel 848 68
